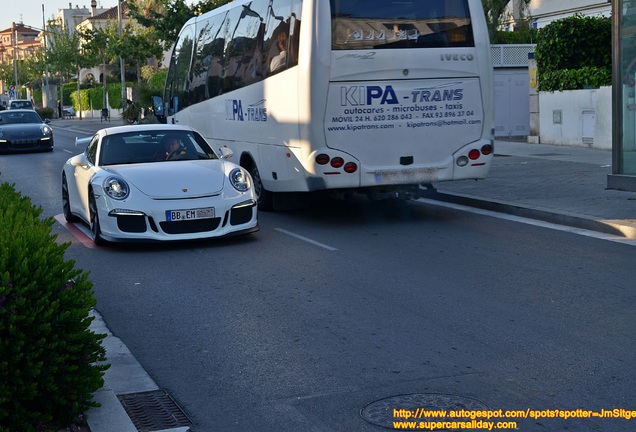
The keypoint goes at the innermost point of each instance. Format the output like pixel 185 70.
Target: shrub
pixel 523 36
pixel 45 113
pixel 86 104
pixel 48 369
pixel 574 52
pixel 67 88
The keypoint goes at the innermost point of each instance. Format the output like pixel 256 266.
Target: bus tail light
pixel 474 154
pixel 487 149
pixel 322 159
pixel 350 167
pixel 337 162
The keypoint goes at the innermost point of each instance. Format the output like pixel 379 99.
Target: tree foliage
pixel 64 50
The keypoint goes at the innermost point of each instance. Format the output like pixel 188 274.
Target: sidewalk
pixel 558 184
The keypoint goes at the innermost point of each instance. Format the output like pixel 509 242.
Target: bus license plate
pixel 184 215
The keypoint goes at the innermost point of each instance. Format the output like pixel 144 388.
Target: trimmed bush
pixel 48 355
pixel 45 113
pixel 575 52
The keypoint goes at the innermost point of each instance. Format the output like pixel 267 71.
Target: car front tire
pixel 264 197
pixel 66 203
pixel 94 220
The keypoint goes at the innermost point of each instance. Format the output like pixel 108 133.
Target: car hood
pixel 174 179
pixel 21 129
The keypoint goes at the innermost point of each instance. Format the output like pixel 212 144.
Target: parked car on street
pixel 24 130
pixel 21 104
pixel 156 182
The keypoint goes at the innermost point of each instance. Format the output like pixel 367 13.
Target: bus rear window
pixel 377 24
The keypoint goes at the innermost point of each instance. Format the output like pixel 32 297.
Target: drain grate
pixel 386 411
pixel 153 411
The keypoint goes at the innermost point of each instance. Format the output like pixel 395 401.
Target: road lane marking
pixel 308 240
pixel 77 232
pixel 535 222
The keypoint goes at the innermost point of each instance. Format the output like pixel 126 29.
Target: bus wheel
pixel 264 197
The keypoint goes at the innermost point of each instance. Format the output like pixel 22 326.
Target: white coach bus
pixel 380 97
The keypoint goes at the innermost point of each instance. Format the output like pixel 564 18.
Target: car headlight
pixel 116 188
pixel 46 130
pixel 240 179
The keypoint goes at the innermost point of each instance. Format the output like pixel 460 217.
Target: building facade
pixel 20 41
pixel 17 43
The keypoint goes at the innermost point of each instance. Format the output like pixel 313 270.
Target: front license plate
pixel 184 215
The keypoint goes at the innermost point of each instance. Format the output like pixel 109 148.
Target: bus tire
pixel 264 197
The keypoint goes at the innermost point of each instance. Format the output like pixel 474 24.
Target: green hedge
pixel 575 79
pixel 95 97
pixel 575 52
pixel 48 356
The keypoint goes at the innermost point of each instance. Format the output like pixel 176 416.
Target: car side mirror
pixel 226 153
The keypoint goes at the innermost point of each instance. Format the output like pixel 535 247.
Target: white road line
pixel 535 222
pixel 308 240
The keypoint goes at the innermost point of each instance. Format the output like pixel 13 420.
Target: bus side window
pixel 244 53
pixel 276 41
pixel 178 81
pixel 294 39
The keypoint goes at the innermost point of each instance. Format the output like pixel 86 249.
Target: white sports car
pixel 156 182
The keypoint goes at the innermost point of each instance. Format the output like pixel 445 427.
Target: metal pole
pixel 121 60
pixel 45 103
pixel 14 35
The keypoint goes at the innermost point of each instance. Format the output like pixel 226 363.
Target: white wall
pixel 543 12
pixel 577 118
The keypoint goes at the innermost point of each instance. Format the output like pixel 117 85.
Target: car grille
pixel 26 144
pixel 189 227
pixel 132 224
pixel 241 215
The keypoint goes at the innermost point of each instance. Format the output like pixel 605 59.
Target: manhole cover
pixel 153 411
pixel 417 407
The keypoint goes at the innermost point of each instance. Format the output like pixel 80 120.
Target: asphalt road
pixel 324 311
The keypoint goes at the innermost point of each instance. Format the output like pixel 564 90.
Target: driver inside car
pixel 174 149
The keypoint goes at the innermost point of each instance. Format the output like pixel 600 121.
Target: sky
pixel 30 11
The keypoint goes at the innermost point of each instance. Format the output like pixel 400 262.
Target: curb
pixel 125 376
pixel 613 227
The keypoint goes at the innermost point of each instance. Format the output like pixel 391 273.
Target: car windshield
pixel 153 147
pixel 11 117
